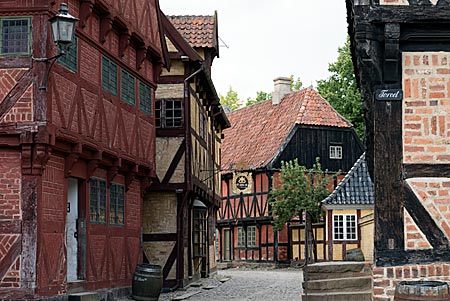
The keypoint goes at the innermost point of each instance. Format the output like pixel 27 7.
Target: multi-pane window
pixel 16 36
pixel 168 113
pixel 344 227
pixel 128 88
pixel 251 236
pixel 335 152
pixel 116 204
pixel 109 75
pixel 70 59
pixel 199 239
pixel 240 237
pixel 97 200
pixel 145 98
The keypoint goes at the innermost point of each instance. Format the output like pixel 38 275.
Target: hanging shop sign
pixel 242 182
pixel 389 94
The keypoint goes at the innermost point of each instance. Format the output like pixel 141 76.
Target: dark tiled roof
pixel 199 31
pixel 257 132
pixel 356 188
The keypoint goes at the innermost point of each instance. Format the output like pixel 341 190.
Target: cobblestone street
pixel 245 284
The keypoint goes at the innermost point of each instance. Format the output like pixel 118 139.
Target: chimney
pixel 281 87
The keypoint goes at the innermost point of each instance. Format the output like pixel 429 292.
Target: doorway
pixel 226 245
pixel 71 230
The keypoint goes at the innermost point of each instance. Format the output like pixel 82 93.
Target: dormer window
pixel 335 152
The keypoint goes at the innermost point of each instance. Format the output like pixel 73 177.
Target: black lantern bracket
pixel 63 29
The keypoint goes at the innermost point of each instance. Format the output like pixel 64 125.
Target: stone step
pixel 339 296
pixel 318 276
pixel 339 285
pixel 339 267
pixel 84 296
pixel 223 265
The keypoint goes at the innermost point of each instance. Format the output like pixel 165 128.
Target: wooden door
pixel 226 245
pixel 71 230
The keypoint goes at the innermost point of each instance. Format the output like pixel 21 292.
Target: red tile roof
pixel 258 131
pixel 199 31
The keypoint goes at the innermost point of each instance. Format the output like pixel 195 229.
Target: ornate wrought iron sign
pixel 242 182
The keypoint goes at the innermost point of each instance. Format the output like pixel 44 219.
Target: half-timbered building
pixel 350 202
pixel 77 147
pixel 180 206
pixel 299 125
pixel 401 57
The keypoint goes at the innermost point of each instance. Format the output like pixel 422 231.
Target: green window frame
pixel 70 59
pixel 109 75
pixel 15 36
pixel 128 88
pixel 97 201
pixel 117 205
pixel 145 98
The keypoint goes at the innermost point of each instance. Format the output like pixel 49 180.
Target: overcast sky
pixel 270 38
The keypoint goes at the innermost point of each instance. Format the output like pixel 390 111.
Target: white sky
pixel 270 38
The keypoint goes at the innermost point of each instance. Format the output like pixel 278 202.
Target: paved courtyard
pixel 244 284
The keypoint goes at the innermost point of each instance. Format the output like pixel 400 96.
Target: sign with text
pixel 389 94
pixel 242 182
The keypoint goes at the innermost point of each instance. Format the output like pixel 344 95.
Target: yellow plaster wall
pixel 166 148
pixel 159 252
pixel 159 213
pixel 170 91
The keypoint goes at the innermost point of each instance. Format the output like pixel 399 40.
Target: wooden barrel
pixel 147 282
pixel 422 290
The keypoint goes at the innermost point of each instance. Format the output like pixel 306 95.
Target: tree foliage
pixel 231 99
pixel 298 189
pixel 296 84
pixel 341 91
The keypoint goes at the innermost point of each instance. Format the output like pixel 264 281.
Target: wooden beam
pixel 426 171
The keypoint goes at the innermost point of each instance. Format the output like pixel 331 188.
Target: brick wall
pixel 426 139
pixel 22 111
pixel 385 279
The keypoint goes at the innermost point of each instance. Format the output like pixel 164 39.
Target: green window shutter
pixel 70 59
pixel 109 76
pixel 128 88
pixel 145 98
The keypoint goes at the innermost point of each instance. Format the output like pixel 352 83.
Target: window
pixel 97 200
pixel 16 36
pixel 70 59
pixel 250 235
pixel 344 227
pixel 128 88
pixel 116 204
pixel 241 237
pixel 335 152
pixel 109 76
pixel 199 233
pixel 145 98
pixel 169 113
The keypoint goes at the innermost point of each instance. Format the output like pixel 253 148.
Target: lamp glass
pixel 63 26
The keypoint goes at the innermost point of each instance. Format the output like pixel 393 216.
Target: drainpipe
pixel 187 123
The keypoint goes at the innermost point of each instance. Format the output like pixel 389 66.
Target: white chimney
pixel 281 87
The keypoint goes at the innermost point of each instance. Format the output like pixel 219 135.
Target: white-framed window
pixel 335 152
pixel 344 227
pixel 240 237
pixel 251 236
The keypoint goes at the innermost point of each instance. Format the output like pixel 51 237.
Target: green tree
pixel 341 91
pixel 260 96
pixel 296 84
pixel 298 189
pixel 231 99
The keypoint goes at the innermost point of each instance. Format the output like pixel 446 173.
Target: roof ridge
pixel 346 179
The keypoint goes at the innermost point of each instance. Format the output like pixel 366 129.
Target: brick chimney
pixel 282 86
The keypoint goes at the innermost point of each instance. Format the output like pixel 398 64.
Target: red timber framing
pixel 187 168
pixel 55 143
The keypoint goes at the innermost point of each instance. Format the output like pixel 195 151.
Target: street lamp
pixel 63 29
